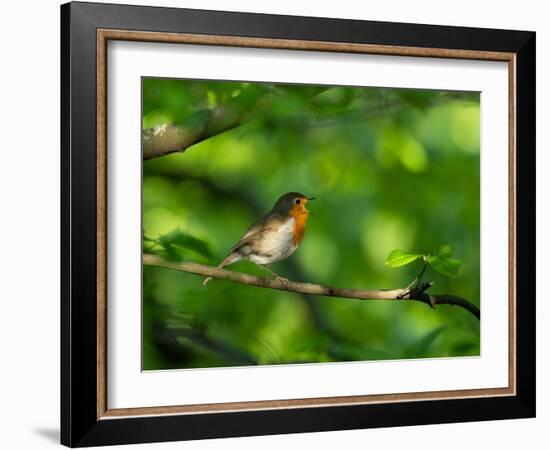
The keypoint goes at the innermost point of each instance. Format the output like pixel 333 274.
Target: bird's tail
pixel 230 259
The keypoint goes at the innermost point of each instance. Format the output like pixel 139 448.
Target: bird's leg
pixel 269 270
pixel 277 277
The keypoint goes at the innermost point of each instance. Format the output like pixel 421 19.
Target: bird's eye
pixel 297 201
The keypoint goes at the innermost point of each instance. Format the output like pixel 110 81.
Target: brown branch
pixel 448 299
pixel 416 294
pixel 170 138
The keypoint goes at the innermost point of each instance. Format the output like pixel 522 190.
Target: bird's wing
pixel 266 224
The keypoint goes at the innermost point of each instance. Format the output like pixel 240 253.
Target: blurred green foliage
pixel 391 168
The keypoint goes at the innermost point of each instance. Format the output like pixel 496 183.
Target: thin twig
pixel 416 294
pixel 418 278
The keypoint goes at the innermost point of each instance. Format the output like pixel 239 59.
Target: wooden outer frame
pixel 103 36
pixel 95 25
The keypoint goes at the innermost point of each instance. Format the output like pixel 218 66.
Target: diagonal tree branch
pixel 416 294
pixel 170 138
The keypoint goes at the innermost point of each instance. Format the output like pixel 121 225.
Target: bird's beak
pixel 311 198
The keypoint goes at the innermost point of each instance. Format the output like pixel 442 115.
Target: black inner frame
pixel 79 424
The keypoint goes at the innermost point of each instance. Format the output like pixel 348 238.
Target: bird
pixel 275 236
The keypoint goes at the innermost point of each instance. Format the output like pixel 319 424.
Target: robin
pixel 275 236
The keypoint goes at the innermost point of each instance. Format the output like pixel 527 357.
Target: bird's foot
pixel 282 280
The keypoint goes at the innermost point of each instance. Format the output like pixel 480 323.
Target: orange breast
pixel 300 219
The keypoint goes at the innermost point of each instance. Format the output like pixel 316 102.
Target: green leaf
pixel 178 238
pixel 445 250
pixel 399 258
pixel 445 265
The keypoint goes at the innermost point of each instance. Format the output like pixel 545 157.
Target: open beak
pixel 309 199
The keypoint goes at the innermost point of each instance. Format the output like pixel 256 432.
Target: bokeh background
pixel 391 169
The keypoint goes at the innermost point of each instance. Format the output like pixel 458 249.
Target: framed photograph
pixel 276 224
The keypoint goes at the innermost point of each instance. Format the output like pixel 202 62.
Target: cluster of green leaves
pixel 441 261
pixel 391 168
